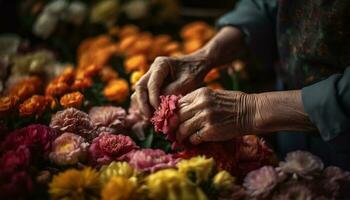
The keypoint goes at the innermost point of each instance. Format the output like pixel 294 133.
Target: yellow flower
pixel 136 62
pixel 116 90
pixel 135 76
pixel 119 188
pixel 199 166
pixel 169 184
pixel 116 169
pixel 223 180
pixel 75 184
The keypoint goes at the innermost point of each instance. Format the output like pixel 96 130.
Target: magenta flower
pixel 108 147
pixel 301 163
pixel 165 116
pixel 151 160
pixel 17 186
pixel 74 121
pixel 37 138
pixel 260 182
pixel 68 149
pixel 14 160
pixel 108 119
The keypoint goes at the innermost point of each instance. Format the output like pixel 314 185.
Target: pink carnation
pixel 68 149
pixel 74 121
pixel 260 182
pixel 108 147
pixel 165 116
pixel 108 118
pixel 37 138
pixel 151 160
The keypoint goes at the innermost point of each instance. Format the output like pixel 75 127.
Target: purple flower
pixel 135 121
pixel 301 163
pixel 68 149
pixel 74 121
pixel 260 182
pixel 151 160
pixel 108 119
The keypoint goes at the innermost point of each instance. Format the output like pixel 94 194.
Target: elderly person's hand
pixel 216 115
pixel 169 76
pixel 182 75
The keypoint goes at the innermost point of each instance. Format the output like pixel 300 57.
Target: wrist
pixel 280 111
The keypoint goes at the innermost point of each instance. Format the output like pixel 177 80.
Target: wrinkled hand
pixel 169 76
pixel 208 115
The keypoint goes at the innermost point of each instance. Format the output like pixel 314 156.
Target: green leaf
pixel 147 143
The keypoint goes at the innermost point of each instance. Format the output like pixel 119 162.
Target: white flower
pixel 137 9
pixel 45 24
pixel 76 12
pixel 56 7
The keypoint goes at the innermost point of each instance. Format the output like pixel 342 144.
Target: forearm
pixel 280 111
pixel 227 44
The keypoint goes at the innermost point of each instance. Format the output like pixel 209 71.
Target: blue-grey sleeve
pixel 257 19
pixel 328 105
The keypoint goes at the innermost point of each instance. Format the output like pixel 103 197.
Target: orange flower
pixel 197 30
pixel 192 45
pixel 136 62
pixel 215 86
pixel 51 102
pixel 117 90
pixel 108 73
pixel 157 48
pixel 94 43
pixel 67 75
pixel 171 48
pixel 135 76
pixel 212 75
pixel 128 30
pixel 55 88
pixel 92 70
pixel 7 103
pixel 126 43
pixel 142 45
pixel 82 83
pixel 74 99
pixel 176 54
pixel 35 105
pixel 26 88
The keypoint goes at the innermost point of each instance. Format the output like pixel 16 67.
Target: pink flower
pixel 37 138
pixel 74 121
pixel 301 163
pixel 14 160
pixel 260 182
pixel 151 160
pixel 135 121
pixel 335 174
pixel 17 186
pixel 108 119
pixel 165 116
pixel 108 147
pixel 295 191
pixel 68 149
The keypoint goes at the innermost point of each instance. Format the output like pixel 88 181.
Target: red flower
pixel 165 116
pixel 17 186
pixel 14 160
pixel 108 147
pixel 37 138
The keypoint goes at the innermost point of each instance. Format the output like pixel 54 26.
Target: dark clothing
pixel 313 44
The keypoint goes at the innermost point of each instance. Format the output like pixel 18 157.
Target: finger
pixel 189 127
pixel 202 135
pixel 190 97
pixel 177 87
pixel 159 71
pixel 141 96
pixel 186 111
